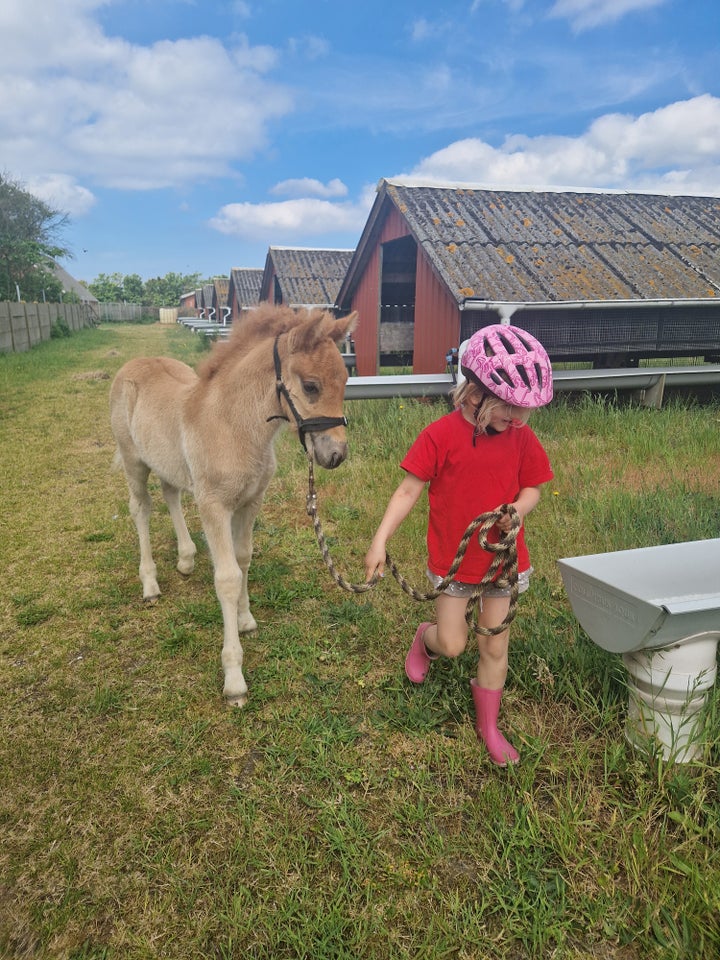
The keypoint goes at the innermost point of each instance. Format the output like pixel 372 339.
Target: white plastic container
pixel 668 692
pixel 660 608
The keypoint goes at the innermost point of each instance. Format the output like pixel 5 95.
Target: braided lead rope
pixel 504 560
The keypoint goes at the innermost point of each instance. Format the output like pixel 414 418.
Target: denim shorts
pixel 456 588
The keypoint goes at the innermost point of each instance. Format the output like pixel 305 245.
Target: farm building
pixel 189 303
pixel 609 278
pixel 243 290
pixel 220 299
pixel 71 285
pixel 304 277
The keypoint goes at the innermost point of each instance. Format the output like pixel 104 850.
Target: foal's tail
pixel 117 462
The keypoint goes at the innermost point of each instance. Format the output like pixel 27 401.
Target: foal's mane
pixel 264 322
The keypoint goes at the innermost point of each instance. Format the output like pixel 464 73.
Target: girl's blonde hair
pixel 483 404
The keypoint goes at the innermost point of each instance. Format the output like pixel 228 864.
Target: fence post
pixel 33 324
pixel 18 327
pixel 6 338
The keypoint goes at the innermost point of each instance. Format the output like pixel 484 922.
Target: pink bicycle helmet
pixel 509 363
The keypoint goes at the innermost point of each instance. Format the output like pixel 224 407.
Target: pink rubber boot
pixel 487 707
pixel 418 660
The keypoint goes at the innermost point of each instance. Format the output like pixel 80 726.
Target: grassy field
pixel 342 814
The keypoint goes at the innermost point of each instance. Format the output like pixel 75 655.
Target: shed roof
pixel 221 285
pixel 208 291
pixel 530 247
pixel 307 276
pixel 246 282
pixel 70 284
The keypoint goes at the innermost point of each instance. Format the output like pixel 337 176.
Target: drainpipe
pixel 506 310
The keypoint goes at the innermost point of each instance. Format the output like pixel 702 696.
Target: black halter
pixel 304 425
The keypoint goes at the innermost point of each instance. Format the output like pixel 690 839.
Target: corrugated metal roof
pixel 246 282
pixel 221 285
pixel 535 247
pixel 71 284
pixel 208 290
pixel 306 276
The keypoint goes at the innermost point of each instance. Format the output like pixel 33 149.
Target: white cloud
pixel 309 47
pixel 79 104
pixel 62 193
pixel 584 14
pixel 289 220
pixel 307 187
pixel 674 150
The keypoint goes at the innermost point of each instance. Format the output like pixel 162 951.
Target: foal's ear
pixel 343 327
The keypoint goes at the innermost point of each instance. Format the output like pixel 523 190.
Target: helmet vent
pixel 523 374
pixel 508 344
pixel 502 376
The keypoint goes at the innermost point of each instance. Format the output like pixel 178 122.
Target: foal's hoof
pixel 236 700
pixel 151 601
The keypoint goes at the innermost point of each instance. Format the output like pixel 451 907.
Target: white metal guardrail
pixel 651 380
pixel 648 382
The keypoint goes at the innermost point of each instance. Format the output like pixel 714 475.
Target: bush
pixel 60 329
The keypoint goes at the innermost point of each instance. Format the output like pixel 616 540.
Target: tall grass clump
pixel 344 813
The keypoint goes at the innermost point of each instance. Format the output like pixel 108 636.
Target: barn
pixel 243 290
pixel 609 278
pixel 304 276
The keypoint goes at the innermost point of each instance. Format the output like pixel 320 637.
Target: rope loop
pixel 502 572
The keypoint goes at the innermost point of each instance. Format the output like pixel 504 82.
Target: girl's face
pixel 504 416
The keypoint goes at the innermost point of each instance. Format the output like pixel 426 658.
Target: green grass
pixel 342 814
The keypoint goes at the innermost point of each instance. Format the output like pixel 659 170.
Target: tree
pixel 156 292
pixel 166 291
pixel 29 231
pixel 108 288
pixel 133 288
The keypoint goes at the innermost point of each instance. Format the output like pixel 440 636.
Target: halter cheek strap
pixel 304 424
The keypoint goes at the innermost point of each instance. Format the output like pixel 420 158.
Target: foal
pixel 211 433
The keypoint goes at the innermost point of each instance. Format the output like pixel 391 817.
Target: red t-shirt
pixel 467 480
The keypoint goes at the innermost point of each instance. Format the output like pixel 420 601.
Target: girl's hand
pixel 375 561
pixel 504 524
pixel 525 501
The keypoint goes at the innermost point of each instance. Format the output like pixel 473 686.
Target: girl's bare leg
pixel 493 650
pixel 448 637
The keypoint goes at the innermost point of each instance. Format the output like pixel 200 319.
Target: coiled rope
pixel 502 572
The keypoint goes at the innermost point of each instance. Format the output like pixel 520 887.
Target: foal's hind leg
pixel 186 547
pixel 140 509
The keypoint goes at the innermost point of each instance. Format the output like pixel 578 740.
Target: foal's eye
pixel 311 388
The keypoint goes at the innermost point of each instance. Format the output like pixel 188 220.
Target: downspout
pixel 506 310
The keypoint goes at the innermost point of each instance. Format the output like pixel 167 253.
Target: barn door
pixel 397 302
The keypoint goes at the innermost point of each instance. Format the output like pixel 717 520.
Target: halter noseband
pixel 304 424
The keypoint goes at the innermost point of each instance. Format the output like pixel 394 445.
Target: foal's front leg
pixel 242 527
pixel 217 524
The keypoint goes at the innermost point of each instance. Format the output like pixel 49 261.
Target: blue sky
pixel 190 135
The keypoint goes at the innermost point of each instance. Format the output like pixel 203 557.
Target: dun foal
pixel 211 433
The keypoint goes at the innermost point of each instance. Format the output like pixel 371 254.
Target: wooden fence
pixel 122 312
pixel 24 325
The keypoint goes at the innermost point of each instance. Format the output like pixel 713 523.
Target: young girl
pixel 475 459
